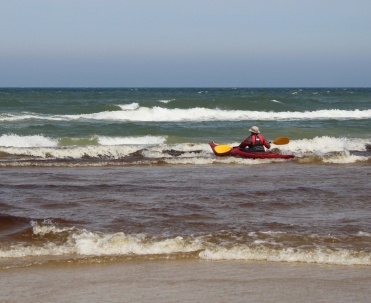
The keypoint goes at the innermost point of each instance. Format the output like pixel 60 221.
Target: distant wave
pixel 131 106
pixel 12 140
pixel 166 101
pixel 131 140
pixel 133 112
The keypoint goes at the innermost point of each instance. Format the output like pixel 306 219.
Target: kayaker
pixel 255 142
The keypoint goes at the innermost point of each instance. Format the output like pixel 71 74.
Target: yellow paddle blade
pixel 281 141
pixel 221 149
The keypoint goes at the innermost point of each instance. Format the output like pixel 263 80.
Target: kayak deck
pixel 237 152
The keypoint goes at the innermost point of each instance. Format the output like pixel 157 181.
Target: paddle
pixel 222 149
pixel 281 141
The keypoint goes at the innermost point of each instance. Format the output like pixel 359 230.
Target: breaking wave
pixel 133 112
pixel 17 150
pixel 75 243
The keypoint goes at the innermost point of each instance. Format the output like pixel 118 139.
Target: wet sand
pixel 186 281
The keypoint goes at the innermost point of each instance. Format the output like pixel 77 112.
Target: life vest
pixel 257 140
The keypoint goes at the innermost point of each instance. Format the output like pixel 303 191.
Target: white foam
pixel 128 107
pixel 108 152
pixel 166 101
pixel 131 140
pixel 328 149
pixel 49 249
pixel 323 145
pixel 345 159
pixel 363 234
pixel 83 242
pixel 121 244
pixel 12 140
pixel 194 161
pixel 321 256
pixel 27 141
pixel 205 114
pixel 43 229
pixel 87 243
pixel 133 112
pixel 23 116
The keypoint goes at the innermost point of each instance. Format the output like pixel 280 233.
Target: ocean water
pixel 174 125
pixel 125 179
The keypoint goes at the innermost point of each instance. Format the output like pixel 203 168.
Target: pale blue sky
pixel 193 43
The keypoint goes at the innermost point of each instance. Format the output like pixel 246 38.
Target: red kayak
pixel 236 152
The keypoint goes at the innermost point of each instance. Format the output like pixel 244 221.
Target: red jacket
pixel 255 140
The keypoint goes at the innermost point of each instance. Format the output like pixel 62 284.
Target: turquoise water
pixel 313 118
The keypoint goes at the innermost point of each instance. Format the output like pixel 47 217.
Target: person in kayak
pixel 255 142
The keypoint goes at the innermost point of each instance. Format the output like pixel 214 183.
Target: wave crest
pixel 63 241
pixel 133 112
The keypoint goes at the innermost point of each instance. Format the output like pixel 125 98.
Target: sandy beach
pixel 186 281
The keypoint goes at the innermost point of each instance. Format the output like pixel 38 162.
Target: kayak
pixel 237 152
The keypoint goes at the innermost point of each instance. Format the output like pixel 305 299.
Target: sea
pixel 114 194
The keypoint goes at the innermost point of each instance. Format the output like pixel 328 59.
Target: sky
pixel 185 43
